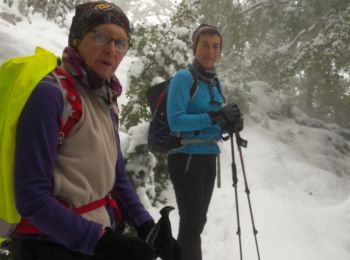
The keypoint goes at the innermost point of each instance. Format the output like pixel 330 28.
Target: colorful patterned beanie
pixel 89 15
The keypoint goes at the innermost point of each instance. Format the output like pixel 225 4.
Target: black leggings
pixel 24 249
pixel 193 177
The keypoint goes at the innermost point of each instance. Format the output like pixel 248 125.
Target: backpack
pixel 159 138
pixel 18 78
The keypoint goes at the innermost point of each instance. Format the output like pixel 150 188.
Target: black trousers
pixel 193 178
pixel 24 249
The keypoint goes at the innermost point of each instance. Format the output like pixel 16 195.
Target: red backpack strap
pixel 73 108
pixel 108 200
pixel 24 227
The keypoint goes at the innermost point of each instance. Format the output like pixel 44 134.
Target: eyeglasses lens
pixel 102 39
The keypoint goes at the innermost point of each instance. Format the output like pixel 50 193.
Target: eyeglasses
pixel 102 39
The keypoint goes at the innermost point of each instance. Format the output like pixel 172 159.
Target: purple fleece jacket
pixel 36 144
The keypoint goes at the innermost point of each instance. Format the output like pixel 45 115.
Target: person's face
pixel 102 49
pixel 208 50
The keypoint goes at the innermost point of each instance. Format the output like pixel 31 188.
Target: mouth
pixel 106 63
pixel 208 58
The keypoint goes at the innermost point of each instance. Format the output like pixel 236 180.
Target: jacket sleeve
pixel 129 202
pixel 177 102
pixel 36 143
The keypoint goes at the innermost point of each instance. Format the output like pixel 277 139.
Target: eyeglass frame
pixel 110 39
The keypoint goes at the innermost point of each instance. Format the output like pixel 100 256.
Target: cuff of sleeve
pixel 212 115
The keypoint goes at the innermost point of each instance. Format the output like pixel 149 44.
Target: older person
pixel 199 119
pixel 87 170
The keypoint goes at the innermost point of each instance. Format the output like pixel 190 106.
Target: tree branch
pixel 310 29
pixel 266 5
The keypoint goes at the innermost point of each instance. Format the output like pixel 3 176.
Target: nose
pixel 111 47
pixel 211 50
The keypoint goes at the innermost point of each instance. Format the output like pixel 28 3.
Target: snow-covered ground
pixel 297 175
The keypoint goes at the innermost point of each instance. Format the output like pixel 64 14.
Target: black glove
pixel 228 114
pixel 234 127
pixel 160 237
pixel 144 229
pixel 116 246
pixel 229 118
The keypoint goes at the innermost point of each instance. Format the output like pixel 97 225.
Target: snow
pixel 298 175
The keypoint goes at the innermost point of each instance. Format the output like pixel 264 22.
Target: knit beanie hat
pixel 89 15
pixel 204 29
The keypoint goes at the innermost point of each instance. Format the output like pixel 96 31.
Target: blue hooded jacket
pixel 189 115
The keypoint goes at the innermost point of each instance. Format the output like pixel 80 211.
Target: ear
pixel 75 43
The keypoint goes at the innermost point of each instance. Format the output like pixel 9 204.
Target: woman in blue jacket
pixel 199 119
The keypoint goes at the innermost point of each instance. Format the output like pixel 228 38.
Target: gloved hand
pixel 166 247
pixel 228 114
pixel 229 118
pixel 234 127
pixel 116 246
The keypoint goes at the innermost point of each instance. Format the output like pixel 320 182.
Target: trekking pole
pixel 243 143
pixel 164 226
pixel 235 180
pixel 218 172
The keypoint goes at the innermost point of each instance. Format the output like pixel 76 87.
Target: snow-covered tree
pixel 55 10
pixel 303 48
